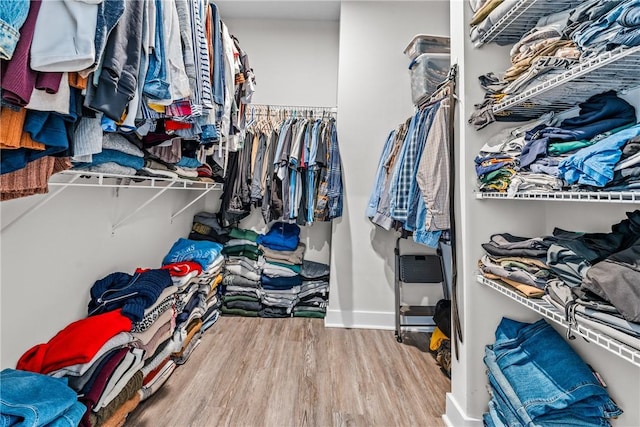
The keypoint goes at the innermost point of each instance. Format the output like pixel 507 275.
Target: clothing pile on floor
pixel 567 393
pixel 139 328
pixel 559 41
pixel 242 270
pixel 599 149
pixel 592 277
pixel 267 276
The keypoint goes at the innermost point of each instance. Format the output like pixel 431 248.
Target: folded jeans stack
pixel 566 394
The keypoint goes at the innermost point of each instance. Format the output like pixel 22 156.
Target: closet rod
pixel 292 107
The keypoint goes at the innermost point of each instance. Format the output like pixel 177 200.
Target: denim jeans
pixel 156 84
pixel 525 371
pixel 218 82
pixel 12 16
pixel 33 399
pixel 623 16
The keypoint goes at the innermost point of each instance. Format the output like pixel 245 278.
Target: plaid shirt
pixel 403 175
pixel 335 176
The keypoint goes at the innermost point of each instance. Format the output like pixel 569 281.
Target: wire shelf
pixel 522 17
pixel 575 196
pixel 550 312
pixel 99 179
pixel 614 70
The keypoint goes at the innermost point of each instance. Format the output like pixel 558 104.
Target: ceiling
pixel 310 10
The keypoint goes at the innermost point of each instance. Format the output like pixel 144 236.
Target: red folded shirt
pixel 75 344
pixel 177 269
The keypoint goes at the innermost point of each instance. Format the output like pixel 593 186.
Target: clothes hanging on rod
pixel 289 166
pixel 164 79
pixel 411 191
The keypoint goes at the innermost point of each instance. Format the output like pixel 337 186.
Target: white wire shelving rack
pixel 614 70
pixel 548 311
pixel 522 17
pixel 73 178
pixel 574 196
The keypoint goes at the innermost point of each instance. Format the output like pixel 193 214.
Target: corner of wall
pixel 455 416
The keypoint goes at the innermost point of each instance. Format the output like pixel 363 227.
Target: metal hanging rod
pixel 290 108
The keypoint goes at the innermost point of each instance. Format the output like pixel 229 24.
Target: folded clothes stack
pixel 592 277
pixel 139 328
pixel 597 149
pixel 243 268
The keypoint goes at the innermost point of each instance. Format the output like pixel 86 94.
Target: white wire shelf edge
pixel 521 18
pixel 593 76
pixel 97 179
pixel 550 312
pixel 568 196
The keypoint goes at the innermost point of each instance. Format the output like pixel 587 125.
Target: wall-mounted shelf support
pixel 175 215
pixel 41 203
pixel 141 207
pixel 71 178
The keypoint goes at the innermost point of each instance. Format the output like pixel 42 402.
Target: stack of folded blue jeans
pixel 536 379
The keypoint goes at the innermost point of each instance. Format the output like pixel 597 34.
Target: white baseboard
pixel 455 416
pixel 360 319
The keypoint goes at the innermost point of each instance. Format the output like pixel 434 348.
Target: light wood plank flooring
pixel 295 372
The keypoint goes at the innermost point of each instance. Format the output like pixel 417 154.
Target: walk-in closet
pixel 320 213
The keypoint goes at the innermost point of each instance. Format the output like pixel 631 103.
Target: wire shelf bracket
pixel 40 204
pixel 141 207
pixel 614 70
pixel 562 196
pixel 71 178
pixel 550 312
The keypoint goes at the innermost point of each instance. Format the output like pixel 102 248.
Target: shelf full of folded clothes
pixel 548 310
pixel 612 70
pixel 505 22
pixel 567 57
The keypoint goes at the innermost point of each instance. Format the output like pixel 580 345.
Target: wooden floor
pixel 295 372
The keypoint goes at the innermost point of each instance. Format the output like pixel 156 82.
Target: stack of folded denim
pixel 281 278
pixel 313 297
pixel 32 399
pixel 243 267
pixel 565 394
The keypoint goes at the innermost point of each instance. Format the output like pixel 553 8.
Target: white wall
pixel 296 63
pixel 373 98
pixel 51 258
